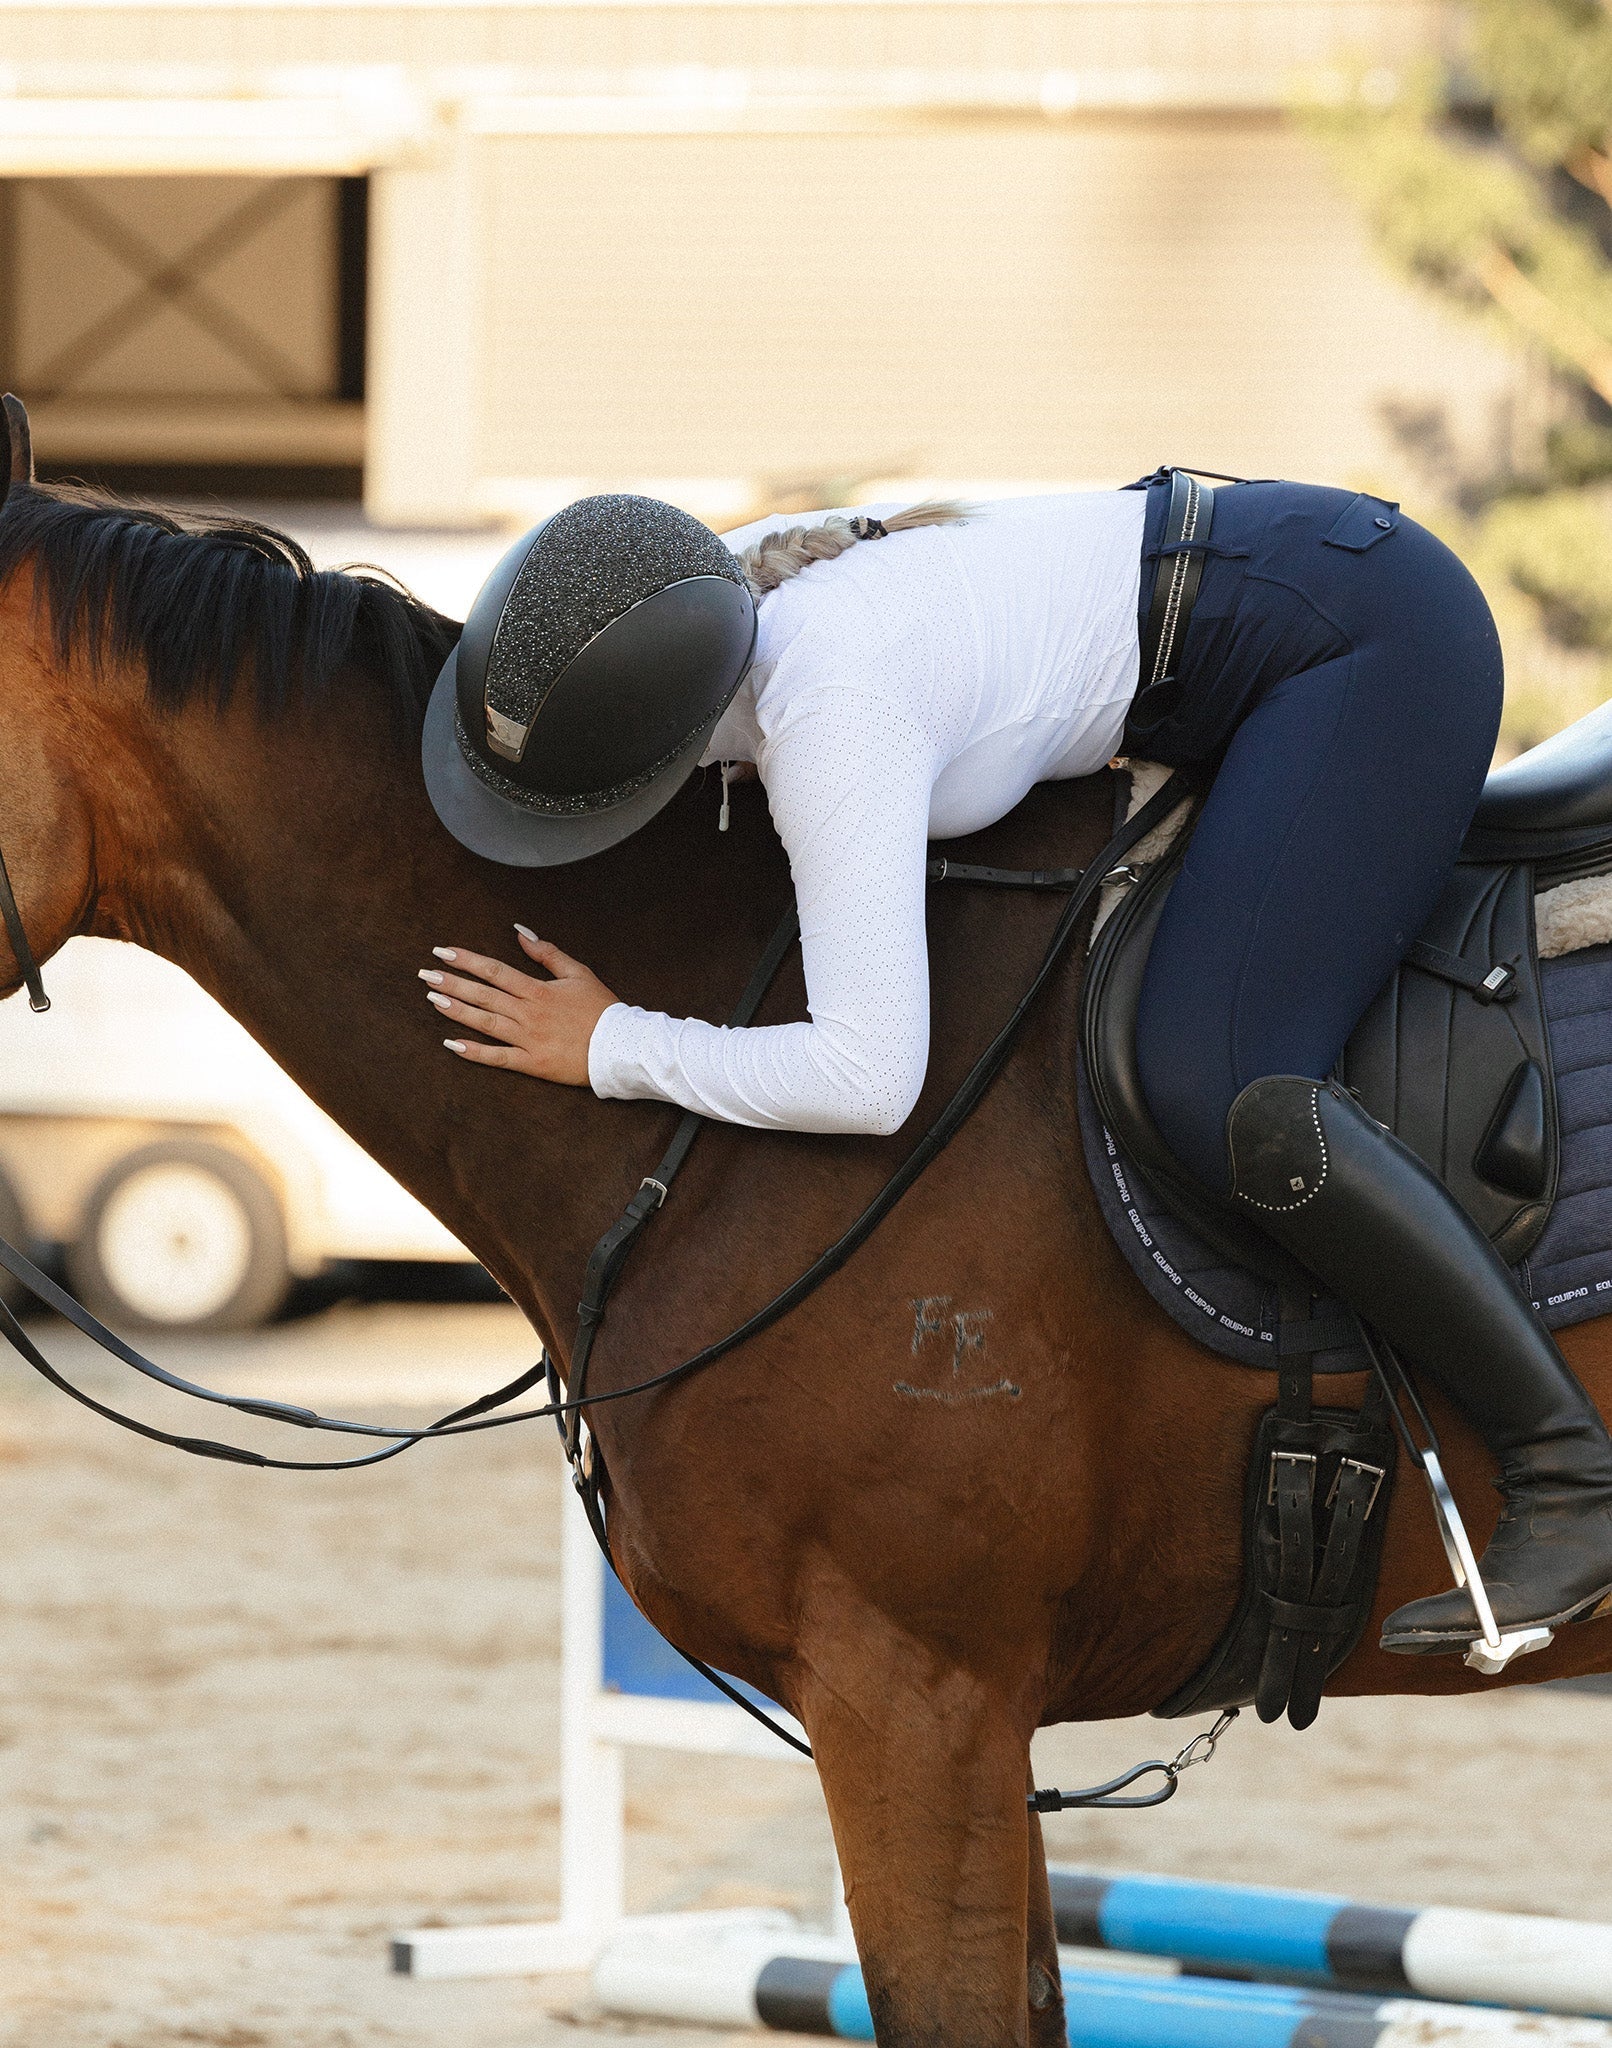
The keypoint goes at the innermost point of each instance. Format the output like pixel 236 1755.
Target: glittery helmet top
pixel 594 664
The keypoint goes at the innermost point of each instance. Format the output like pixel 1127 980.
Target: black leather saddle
pixel 1552 807
pixel 1453 1055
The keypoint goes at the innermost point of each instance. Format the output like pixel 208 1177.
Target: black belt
pixel 1176 578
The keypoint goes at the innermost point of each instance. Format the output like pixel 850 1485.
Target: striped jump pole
pixel 1439 1952
pixel 793 1984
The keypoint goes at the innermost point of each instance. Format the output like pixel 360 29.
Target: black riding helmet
pixel 596 660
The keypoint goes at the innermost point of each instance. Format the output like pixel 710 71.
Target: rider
pixel 1340 675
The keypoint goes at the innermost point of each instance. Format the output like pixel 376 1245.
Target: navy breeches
pixel 1360 679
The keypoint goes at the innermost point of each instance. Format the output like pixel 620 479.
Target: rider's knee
pixel 1188 1106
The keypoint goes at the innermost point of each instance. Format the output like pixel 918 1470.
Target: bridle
pixel 568 1406
pixel 610 1254
pixel 19 463
pixel 567 1409
pixel 21 951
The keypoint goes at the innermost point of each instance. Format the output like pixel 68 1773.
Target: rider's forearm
pixel 790 1077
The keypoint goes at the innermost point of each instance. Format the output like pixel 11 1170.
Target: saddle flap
pixel 1111 998
pixel 1453 1056
pixel 1466 1083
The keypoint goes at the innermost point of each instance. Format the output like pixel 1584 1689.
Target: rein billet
pixel 609 1255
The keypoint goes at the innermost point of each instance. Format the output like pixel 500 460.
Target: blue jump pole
pixel 1323 1972
pixel 710 1972
pixel 1443 1952
pixel 1235 1927
pixel 1108 2009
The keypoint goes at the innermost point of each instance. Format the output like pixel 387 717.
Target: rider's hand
pixel 541 1027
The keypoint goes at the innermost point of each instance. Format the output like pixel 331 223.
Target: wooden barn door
pixel 181 321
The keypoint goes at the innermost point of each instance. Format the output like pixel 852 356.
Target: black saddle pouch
pixel 1314 1516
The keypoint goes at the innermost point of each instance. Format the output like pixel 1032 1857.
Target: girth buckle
pixel 1378 1474
pixel 1291 1458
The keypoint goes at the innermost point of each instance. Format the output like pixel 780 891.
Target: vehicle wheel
pixel 182 1236
pixel 14 1229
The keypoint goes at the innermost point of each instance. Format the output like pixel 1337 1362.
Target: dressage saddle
pixel 1454 1055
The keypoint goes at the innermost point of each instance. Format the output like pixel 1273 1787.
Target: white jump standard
pixel 621 1687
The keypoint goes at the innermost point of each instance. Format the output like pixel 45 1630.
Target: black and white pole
pixel 1441 1952
pixel 794 1983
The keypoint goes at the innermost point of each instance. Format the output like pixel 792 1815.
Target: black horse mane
pixel 205 601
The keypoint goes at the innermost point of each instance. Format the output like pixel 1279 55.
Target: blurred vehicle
pixel 186 1180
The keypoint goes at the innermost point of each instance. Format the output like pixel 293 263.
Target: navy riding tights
pixel 1356 666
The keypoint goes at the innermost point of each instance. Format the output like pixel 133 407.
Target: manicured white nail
pixel 445 952
pixel 430 974
pixel 454 1044
pixel 526 932
pixel 442 1002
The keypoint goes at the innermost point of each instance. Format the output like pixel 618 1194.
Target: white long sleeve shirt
pixel 916 687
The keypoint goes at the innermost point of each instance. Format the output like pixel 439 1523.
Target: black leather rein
pixel 568 1407
pixel 610 1254
pixel 22 952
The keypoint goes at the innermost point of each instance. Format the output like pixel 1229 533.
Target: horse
pixel 976 1484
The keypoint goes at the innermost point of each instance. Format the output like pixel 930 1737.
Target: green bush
pixel 1487 179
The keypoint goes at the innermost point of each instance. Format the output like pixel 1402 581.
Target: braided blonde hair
pixel 777 556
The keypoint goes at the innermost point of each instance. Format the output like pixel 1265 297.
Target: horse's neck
pixel 296 869
pixel 299 874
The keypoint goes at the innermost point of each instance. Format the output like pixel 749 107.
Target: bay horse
pixel 976 1484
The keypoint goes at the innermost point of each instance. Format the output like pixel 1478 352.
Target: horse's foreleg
pixel 924 1773
pixel 1047 2024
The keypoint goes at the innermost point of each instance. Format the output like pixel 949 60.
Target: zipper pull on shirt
pixel 722 815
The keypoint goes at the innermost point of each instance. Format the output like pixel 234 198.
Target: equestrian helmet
pixel 594 665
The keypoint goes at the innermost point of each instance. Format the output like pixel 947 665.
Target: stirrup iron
pixel 1490 1652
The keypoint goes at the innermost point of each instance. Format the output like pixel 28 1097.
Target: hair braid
pixel 777 556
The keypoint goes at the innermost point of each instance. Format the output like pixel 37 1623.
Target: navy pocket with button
pixel 1362 523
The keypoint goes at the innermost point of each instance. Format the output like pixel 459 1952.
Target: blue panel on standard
pixel 638 1659
pixel 1107 2011
pixel 1218 1923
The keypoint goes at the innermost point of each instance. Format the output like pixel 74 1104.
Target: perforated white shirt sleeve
pixel 849 783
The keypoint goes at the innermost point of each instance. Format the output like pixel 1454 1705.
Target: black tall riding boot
pixel 1363 1213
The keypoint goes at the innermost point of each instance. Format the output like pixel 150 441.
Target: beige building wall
pixel 725 250
pixel 1204 51
pixel 1048 301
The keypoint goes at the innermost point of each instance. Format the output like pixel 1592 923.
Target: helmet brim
pixel 498 828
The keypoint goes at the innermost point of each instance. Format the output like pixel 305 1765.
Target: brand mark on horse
pixel 967 1327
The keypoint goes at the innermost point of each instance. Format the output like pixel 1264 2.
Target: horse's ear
pixel 21 442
